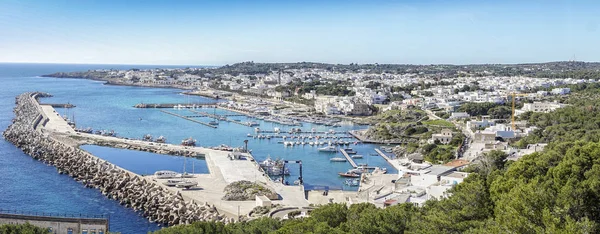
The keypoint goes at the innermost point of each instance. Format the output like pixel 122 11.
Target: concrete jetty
pixel 186 118
pixel 387 159
pixel 29 133
pixel 350 160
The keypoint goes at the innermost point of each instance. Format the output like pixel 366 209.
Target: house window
pixel 93 231
pixel 70 231
pixel 84 231
pixel 100 231
pixel 49 229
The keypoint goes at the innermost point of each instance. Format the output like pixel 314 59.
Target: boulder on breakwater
pixel 155 202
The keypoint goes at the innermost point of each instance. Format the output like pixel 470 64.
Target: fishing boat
pixel 328 149
pixel 274 167
pixel 358 170
pixel 165 174
pixel 337 159
pixel 349 174
pixel 147 137
pixel 352 182
pixel 357 156
pixel 188 142
pixel 161 139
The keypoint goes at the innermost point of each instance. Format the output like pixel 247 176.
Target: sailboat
pixel 185 174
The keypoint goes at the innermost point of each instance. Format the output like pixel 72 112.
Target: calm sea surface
pixel 28 185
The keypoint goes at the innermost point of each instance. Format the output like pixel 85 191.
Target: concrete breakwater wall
pixel 155 202
pixel 156 148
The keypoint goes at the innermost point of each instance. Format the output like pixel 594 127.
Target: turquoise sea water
pixel 30 185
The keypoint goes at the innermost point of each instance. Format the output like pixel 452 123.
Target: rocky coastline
pixel 131 190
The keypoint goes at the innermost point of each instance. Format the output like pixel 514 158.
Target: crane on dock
pixel 512 116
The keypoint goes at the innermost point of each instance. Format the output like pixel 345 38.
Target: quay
pixel 175 105
pixel 186 118
pixel 387 158
pixel 350 160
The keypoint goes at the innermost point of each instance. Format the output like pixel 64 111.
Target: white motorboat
pixel 165 174
pixel 357 156
pixel 337 159
pixel 329 149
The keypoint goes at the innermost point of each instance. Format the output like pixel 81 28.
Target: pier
pixel 350 160
pixel 387 159
pixel 190 119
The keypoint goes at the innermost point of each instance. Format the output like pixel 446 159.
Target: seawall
pixel 131 190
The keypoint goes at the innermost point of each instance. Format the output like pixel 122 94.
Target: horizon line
pixel 188 65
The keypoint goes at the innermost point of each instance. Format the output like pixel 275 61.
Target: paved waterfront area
pixel 56 122
pixel 222 170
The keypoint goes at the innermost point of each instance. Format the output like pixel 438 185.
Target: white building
pixel 561 91
pixel 444 137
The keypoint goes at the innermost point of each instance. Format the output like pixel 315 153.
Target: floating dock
pixel 186 118
pixel 221 117
pixel 350 160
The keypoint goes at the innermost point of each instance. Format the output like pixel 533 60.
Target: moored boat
pixel 165 174
pixel 349 174
pixel 337 159
pixel 328 149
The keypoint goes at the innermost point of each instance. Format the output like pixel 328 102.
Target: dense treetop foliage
pixel 21 229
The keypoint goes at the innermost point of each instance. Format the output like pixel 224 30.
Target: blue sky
pixel 224 32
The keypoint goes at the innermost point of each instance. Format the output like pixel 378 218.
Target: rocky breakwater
pixel 155 202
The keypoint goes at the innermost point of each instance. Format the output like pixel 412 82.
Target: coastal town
pixel 430 132
pixel 438 125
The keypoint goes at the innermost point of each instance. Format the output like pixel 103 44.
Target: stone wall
pixel 155 202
